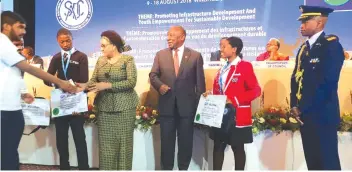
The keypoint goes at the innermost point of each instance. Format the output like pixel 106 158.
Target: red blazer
pixel 241 87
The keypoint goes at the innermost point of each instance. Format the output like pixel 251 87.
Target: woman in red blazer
pixel 236 80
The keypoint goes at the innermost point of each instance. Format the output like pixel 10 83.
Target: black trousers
pixel 12 126
pixel 320 145
pixel 169 126
pixel 62 124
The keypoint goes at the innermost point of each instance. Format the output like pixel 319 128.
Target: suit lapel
pixel 311 53
pixel 185 57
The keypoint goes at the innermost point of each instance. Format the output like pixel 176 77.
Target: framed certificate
pixel 210 110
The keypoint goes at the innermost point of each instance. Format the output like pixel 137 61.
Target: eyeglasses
pixel 271 44
pixel 104 45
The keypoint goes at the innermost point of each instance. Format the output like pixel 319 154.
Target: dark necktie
pixel 65 58
pixel 307 44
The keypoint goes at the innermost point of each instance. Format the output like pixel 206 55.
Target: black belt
pixel 35 130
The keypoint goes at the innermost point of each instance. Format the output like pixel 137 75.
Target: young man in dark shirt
pixel 70 63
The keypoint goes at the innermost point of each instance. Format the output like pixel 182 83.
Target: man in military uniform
pixel 314 84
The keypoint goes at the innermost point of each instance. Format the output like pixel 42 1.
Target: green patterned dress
pixel 116 112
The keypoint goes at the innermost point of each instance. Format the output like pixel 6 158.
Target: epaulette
pixel 331 38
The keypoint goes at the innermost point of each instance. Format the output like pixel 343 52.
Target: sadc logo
pixel 74 14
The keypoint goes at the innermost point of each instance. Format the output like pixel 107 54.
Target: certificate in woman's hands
pixel 210 110
pixel 63 104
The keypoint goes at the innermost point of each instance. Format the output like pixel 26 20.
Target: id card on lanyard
pixel 65 67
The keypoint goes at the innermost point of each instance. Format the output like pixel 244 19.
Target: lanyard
pixel 223 71
pixel 65 67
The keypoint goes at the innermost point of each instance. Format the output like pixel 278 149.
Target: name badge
pixel 74 62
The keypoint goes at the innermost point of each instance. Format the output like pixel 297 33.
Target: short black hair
pixel 9 17
pixel 63 31
pixel 30 50
pixel 236 42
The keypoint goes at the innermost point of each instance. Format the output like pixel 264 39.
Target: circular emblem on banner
pixel 74 14
pixel 56 111
pixel 197 117
pixel 336 2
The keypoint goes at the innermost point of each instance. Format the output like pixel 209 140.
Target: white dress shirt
pixel 314 38
pixel 226 71
pixel 11 82
pixel 179 53
pixel 69 53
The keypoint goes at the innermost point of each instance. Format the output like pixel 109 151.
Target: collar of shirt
pixel 30 61
pixel 68 52
pixel 226 71
pixel 225 68
pixel 180 53
pixel 236 61
pixel 314 38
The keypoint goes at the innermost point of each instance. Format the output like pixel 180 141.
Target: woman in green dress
pixel 114 79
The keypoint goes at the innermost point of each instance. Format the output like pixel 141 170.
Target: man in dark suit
pixel 178 75
pixel 314 84
pixel 216 56
pixel 31 58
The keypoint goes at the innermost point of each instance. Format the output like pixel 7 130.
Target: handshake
pixel 67 86
pixel 72 87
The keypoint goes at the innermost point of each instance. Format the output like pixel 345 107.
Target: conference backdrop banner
pixel 143 24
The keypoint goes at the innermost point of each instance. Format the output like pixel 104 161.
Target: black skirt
pixel 235 136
